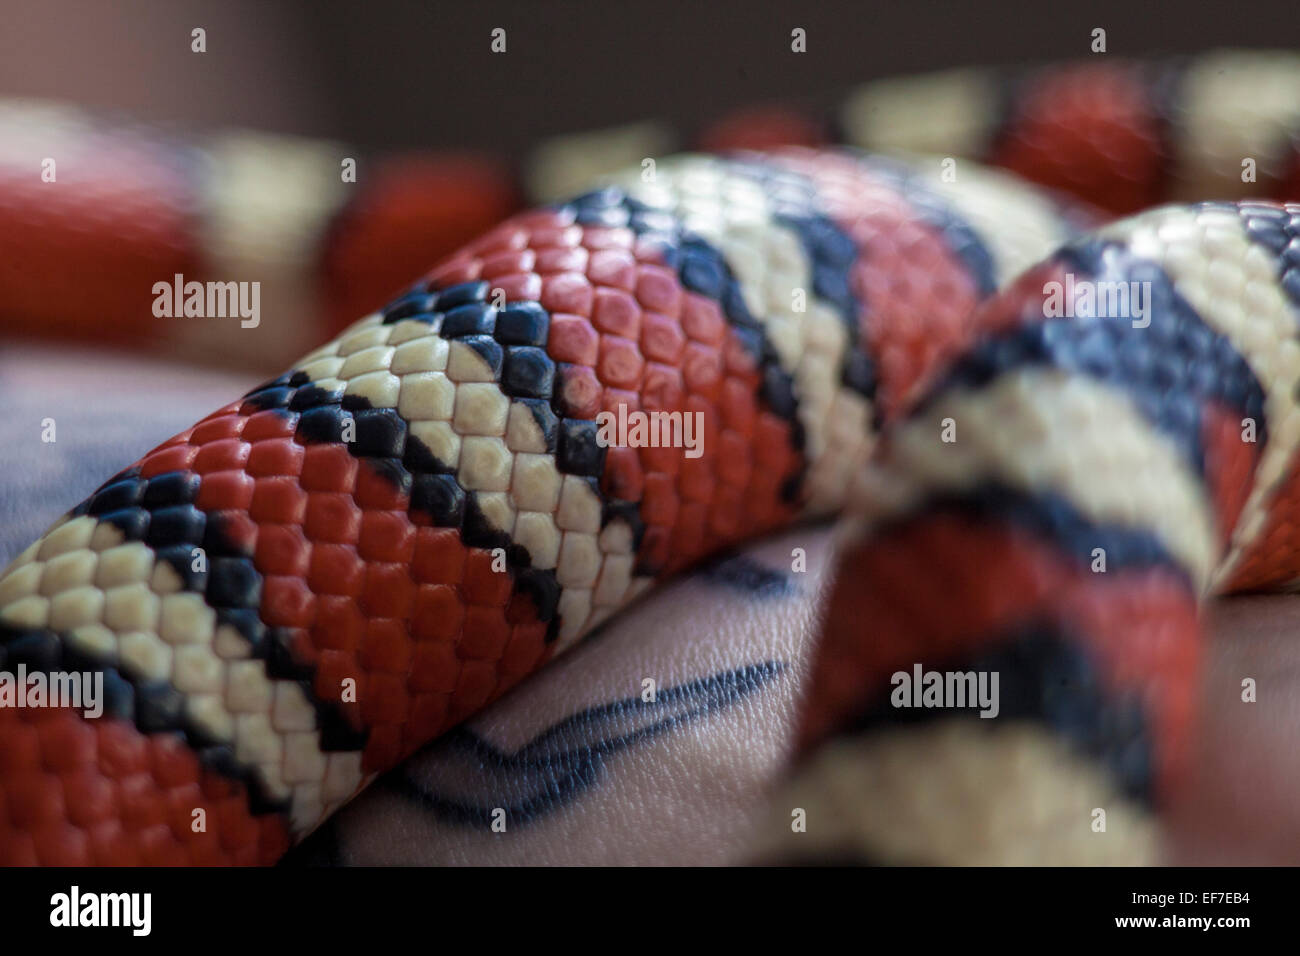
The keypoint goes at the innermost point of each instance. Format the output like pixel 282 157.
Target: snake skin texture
pixel 318 578
pixel 1142 450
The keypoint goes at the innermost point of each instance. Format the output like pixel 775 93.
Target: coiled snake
pixel 1048 443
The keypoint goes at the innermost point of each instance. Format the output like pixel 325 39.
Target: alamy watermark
pixel 946 689
pixel 637 429
pixel 133 911
pixel 1103 300
pixel 208 300
pixel 72 689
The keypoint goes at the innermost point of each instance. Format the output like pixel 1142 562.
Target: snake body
pixel 320 577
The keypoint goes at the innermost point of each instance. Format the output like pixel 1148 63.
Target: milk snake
pixel 325 574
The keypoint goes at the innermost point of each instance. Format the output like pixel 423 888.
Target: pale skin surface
pixel 684 780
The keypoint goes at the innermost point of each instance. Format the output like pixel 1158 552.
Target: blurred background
pixel 397 74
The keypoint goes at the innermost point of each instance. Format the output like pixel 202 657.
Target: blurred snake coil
pixel 1048 435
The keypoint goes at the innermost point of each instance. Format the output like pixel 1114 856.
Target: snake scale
pixel 325 574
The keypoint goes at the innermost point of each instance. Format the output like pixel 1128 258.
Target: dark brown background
pixel 411 73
